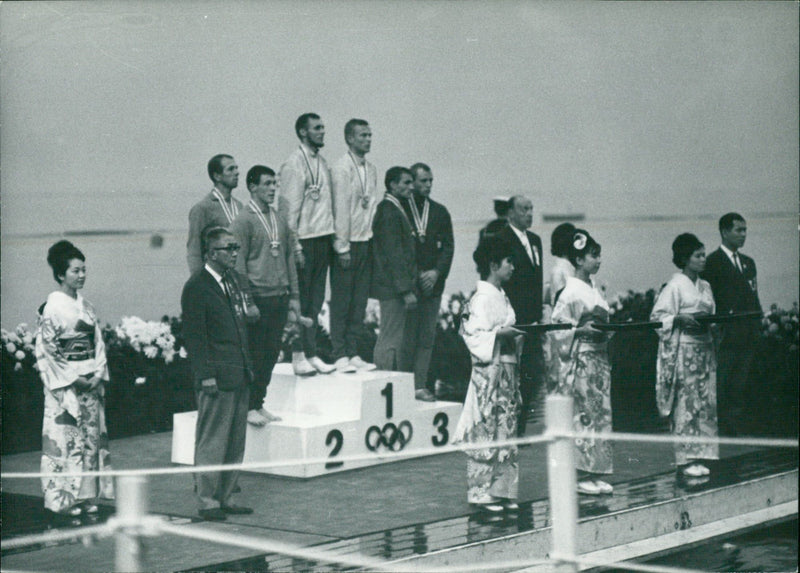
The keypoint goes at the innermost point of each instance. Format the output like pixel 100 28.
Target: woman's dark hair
pixel 491 249
pixel 581 244
pixel 560 239
pixel 683 247
pixel 59 256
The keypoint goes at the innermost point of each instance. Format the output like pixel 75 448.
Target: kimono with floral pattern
pixel 585 373
pixel 493 398
pixel 69 344
pixel 686 369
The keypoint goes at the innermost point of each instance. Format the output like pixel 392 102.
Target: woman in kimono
pixel 562 269
pixel 71 357
pixel 586 376
pixel 686 382
pixel 493 398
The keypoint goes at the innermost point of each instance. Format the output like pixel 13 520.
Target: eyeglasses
pixel 232 248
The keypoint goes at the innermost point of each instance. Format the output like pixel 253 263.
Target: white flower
pixel 17 366
pixel 182 352
pixel 28 338
pixel 36 366
pixel 150 351
pixel 19 355
pixel 140 380
pixel 169 355
pixel 11 347
pixel 22 329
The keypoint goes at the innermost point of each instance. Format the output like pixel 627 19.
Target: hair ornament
pixel 579 241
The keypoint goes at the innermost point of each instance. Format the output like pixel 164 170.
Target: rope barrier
pixel 103 530
pixel 388 456
pixel 422 452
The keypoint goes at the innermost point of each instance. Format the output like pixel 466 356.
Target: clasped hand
pixel 87 384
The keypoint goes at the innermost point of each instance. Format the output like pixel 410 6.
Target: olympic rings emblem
pixel 393 437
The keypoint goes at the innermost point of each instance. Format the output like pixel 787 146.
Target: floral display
pixel 151 378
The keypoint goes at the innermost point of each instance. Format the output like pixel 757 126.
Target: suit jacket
pixel 734 291
pixel 215 334
pixel 437 250
pixel 394 270
pixel 205 213
pixel 526 285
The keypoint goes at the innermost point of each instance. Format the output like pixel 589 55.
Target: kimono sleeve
pixel 478 329
pixel 666 308
pixel 55 370
pixel 567 310
pixel 100 360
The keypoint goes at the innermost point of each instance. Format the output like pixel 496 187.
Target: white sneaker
pixel 320 366
pixel 603 486
pixel 359 364
pixel 344 366
pixel 302 367
pixel 588 487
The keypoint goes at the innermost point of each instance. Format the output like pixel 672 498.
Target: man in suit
pixel 217 208
pixel 524 291
pixel 732 276
pixel 394 277
pixel 434 245
pixel 216 339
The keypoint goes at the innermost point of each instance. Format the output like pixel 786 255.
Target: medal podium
pixel 330 416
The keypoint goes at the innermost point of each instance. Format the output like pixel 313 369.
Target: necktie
pixel 736 260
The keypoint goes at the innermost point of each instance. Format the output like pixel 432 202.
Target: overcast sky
pixel 110 110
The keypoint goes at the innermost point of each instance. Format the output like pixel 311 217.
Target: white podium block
pixel 328 417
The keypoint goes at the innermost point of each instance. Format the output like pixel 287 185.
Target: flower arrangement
pixel 781 326
pixel 152 338
pixel 18 347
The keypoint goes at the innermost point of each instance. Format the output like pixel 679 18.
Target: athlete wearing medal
pixel 394 277
pixel 355 198
pixel 217 209
pixel 434 249
pixel 306 187
pixel 266 259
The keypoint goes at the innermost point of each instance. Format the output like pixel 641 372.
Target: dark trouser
pixel 418 338
pixel 265 343
pixel 219 439
pixel 531 377
pixel 389 346
pixel 349 292
pixel 317 253
pixel 734 359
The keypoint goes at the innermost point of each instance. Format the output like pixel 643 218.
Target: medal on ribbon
pixel 362 181
pixel 396 202
pixel 315 188
pixel 271 227
pixel 420 221
pixel 230 212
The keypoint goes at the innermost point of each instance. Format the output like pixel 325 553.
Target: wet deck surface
pixel 388 512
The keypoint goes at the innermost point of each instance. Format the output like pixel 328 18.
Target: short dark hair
pixel 211 235
pixel 419 165
pixel 560 239
pixel 491 249
pixel 302 122
pixel 683 247
pixel 580 245
pixel 59 255
pixel 393 175
pixel 350 126
pixel 728 219
pixel 256 172
pixel 215 164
